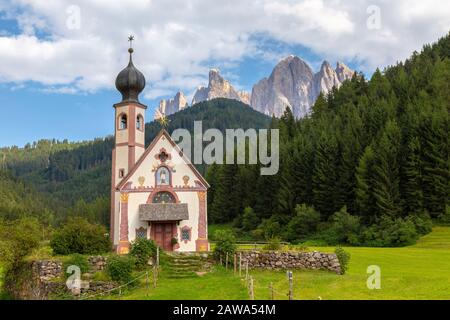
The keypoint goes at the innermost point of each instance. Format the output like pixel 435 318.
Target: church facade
pixel 156 193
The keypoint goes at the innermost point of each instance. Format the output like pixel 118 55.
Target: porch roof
pixel 163 212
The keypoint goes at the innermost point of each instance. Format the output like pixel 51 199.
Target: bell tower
pixel 129 128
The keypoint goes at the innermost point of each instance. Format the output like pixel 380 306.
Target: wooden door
pixel 163 235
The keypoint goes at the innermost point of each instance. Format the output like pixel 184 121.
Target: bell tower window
pixel 123 122
pixel 139 122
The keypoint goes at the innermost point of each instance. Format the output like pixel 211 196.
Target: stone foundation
pixel 274 260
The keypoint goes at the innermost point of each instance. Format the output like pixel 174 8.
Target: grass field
pixel 421 271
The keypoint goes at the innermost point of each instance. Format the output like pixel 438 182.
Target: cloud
pixel 81 48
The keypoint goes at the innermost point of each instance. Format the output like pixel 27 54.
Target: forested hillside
pixel 77 175
pixel 369 166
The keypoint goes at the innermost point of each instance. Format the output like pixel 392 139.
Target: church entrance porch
pixel 162 234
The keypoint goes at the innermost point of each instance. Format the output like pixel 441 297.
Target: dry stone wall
pixel 274 260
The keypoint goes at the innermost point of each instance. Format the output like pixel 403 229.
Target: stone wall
pixel 274 260
pixel 43 279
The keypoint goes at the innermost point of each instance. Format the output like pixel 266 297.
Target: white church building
pixel 156 192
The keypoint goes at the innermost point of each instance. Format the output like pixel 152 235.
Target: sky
pixel 59 59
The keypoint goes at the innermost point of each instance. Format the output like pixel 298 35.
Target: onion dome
pixel 130 81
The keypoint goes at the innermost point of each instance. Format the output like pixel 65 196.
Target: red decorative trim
pixel 127 188
pixel 163 150
pixel 128 103
pixel 124 244
pixel 201 244
pixel 162 189
pixel 125 144
pixel 162 133
pixel 113 197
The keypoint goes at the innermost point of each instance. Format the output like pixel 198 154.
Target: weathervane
pixel 130 40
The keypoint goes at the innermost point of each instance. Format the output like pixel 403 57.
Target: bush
pixel 445 217
pixel 344 259
pixel 79 236
pixel 391 232
pixel 76 260
pixel 343 228
pixel 120 268
pixel 269 228
pixel 423 223
pixel 225 244
pixel 274 244
pixel 303 224
pixel 18 239
pixel 142 250
pixel 250 220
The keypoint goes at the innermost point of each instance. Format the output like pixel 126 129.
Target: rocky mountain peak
pixel 292 84
pixel 170 106
pixel 218 87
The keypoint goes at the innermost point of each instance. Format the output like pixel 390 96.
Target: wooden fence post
pixel 226 262
pixel 235 264
pixel 147 284
pixel 240 264
pixel 157 256
pixel 252 293
pixel 291 292
pixel 246 271
pixel 155 275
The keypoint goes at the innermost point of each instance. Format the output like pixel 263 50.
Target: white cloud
pixel 175 40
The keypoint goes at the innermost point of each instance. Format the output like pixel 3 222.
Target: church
pixel 156 192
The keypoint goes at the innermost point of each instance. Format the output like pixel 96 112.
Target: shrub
pixel 303 224
pixel 273 244
pixel 391 232
pixel 225 244
pixel 270 228
pixel 120 268
pixel 142 250
pixel 445 217
pixel 423 223
pixel 18 239
pixel 250 220
pixel 343 257
pixel 76 260
pixel 79 236
pixel 343 228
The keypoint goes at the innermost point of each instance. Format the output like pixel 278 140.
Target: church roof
pixel 147 151
pixel 163 212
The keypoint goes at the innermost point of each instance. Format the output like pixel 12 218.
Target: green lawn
pixel 421 271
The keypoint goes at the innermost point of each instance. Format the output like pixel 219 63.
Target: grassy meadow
pixel 421 271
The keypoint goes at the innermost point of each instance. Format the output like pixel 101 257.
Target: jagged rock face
pixel 293 85
pixel 170 106
pixel 218 87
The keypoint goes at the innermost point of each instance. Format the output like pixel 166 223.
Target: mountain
pixel 170 106
pixel 218 87
pixel 293 84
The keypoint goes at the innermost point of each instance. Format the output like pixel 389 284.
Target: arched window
pixel 162 176
pixel 163 197
pixel 123 122
pixel 139 122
